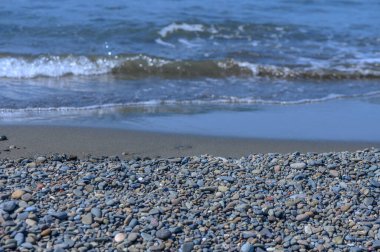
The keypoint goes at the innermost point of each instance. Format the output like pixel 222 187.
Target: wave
pixel 144 66
pixel 9 112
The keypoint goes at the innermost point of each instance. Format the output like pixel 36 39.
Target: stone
pixel 17 194
pixel 59 215
pixel 87 219
pixel 96 212
pixel 222 188
pixel 8 206
pixel 302 217
pixel 31 222
pixel 247 247
pixel 376 244
pixel 187 247
pixel 334 173
pixel 338 240
pixel 163 234
pixel 20 238
pixel 298 166
pixel 46 232
pixel 133 237
pixel 120 237
pixel 27 197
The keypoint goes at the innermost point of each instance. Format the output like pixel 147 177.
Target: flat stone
pixel 334 173
pixel 46 232
pixel 120 237
pixel 30 222
pixel 187 247
pixel 163 234
pixel 87 219
pixel 133 237
pixel 20 238
pixel 222 188
pixel 338 240
pixel 59 215
pixel 17 194
pixel 302 217
pixel 147 237
pixel 96 212
pixel 40 160
pixel 376 244
pixel 247 247
pixel 9 206
pixel 345 208
pixel 298 166
pixel 27 197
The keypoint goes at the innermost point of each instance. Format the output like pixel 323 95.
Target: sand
pixel 32 141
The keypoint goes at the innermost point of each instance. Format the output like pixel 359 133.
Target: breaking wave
pixel 143 66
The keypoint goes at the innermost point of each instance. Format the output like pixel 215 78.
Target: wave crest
pixel 143 66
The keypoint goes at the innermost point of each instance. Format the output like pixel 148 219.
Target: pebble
pixel 96 212
pixel 120 237
pixel 298 166
pixel 263 202
pixel 87 219
pixel 133 237
pixel 8 206
pixel 247 247
pixel 163 234
pixel 187 247
pixel 3 138
pixel 17 194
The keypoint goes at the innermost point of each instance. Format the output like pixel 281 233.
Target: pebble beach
pixel 261 202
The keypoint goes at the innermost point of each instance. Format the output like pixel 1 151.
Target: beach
pixel 189 126
pixel 261 202
pixel 33 141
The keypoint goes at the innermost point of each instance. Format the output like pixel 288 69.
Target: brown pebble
pixel 46 232
pixel 17 194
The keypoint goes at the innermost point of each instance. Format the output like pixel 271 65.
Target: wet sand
pixel 32 141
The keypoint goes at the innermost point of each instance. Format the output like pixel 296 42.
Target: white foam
pixel 111 107
pixel 180 27
pixel 161 42
pixel 55 66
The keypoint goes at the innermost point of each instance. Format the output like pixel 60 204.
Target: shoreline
pixel 33 141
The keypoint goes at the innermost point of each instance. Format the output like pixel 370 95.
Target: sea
pixel 303 69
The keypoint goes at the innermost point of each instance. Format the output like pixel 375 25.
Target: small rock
pixel 187 247
pixel 302 217
pixel 222 188
pixel 46 232
pixel 120 237
pixel 30 222
pixel 59 215
pixel 20 238
pixel 376 244
pixel 247 247
pixel 338 240
pixel 96 212
pixel 17 194
pixel 298 166
pixel 9 206
pixel 133 237
pixel 163 234
pixel 27 197
pixel 3 138
pixel 87 219
pixel 334 173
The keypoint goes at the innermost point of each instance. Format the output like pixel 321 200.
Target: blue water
pixel 76 59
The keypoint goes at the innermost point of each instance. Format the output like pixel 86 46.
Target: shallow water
pixel 75 59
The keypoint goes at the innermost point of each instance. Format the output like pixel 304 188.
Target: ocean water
pixel 124 59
